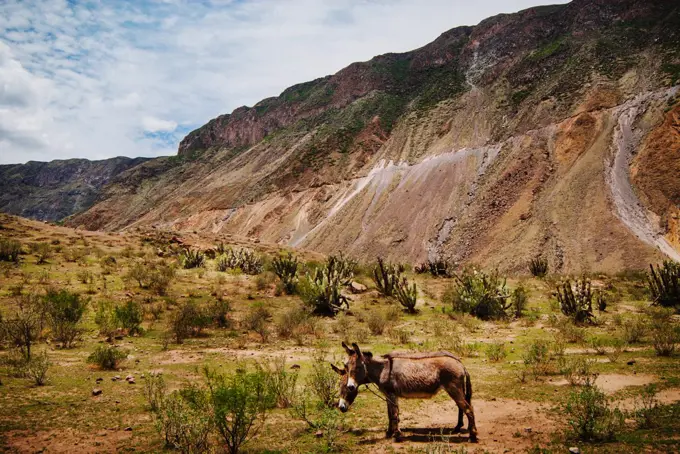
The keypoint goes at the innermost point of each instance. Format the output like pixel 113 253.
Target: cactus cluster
pixel 664 285
pixel 437 268
pixel 387 277
pixel 322 291
pixel 407 295
pixel 577 301
pixel 192 258
pixel 285 267
pixel 244 259
pixel 538 266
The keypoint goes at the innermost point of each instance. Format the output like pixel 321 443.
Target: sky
pixel 103 78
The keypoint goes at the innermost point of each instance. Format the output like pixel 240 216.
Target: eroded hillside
pixel 492 144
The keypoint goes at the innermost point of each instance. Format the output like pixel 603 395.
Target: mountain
pixel 551 131
pixel 51 191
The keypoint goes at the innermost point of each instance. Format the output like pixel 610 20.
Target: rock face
pixel 491 144
pixel 50 191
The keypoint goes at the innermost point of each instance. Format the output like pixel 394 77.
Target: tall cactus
pixel 386 277
pixel 286 268
pixel 407 295
pixel 576 302
pixel 664 285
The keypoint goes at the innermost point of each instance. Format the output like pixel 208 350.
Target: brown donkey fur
pixel 407 375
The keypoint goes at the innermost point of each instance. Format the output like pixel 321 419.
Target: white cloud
pixel 153 124
pixel 102 78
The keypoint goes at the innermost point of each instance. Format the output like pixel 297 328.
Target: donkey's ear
pixel 338 370
pixel 347 349
pixel 357 350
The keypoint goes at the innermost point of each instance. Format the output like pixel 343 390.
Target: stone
pixel 318 434
pixel 574 450
pixel 631 362
pixel 356 287
pixel 128 429
pixel 115 378
pixel 96 391
pixel 527 430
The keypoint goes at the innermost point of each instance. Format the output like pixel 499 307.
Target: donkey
pixel 408 375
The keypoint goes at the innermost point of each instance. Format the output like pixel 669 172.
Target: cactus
pixel 538 267
pixel 479 294
pixel 386 277
pixel 576 302
pixel 437 268
pixel 664 285
pixel 322 292
pixel 406 295
pixel 286 268
pixel 244 259
pixel 192 259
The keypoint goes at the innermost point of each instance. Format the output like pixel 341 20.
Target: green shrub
pixel 105 318
pixel 634 329
pixel 129 316
pixel 478 294
pixel 23 326
pixel 256 320
pixel 537 357
pixel 37 368
pixel 647 409
pixel 189 320
pixel 538 267
pixel 264 281
pixel 598 345
pixel 576 302
pixel 155 276
pixel 327 422
pixel 282 382
pixel 577 371
pixel 65 310
pixel 219 312
pixel 286 268
pixel 387 277
pixel 291 322
pixel 590 416
pixel 519 301
pixel 240 403
pixel 495 351
pixel 185 420
pixel 154 390
pixel 322 380
pixel 664 334
pixel 376 323
pixel 664 285
pixel 42 251
pixel 107 357
pixel 192 258
pixel 9 250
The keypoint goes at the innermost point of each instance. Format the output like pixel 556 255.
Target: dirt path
pixel 626 142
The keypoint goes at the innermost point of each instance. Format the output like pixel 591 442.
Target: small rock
pixel 631 362
pixel 96 392
pixel 99 379
pixel 527 430
pixel 318 434
pixel 295 366
pixel 131 381
pixel 128 429
pixel 129 377
pixel 356 287
pixel 574 450
pixel 115 378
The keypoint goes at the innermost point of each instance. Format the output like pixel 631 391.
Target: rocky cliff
pixel 51 191
pixel 550 131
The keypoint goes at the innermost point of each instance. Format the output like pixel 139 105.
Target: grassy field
pixel 519 399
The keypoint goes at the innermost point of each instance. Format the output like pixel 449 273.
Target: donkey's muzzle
pixel 342 405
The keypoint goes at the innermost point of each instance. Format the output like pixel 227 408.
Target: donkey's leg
pixel 393 415
pixel 464 406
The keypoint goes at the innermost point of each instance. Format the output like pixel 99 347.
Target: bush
pixel 376 323
pixel 519 301
pixel 154 390
pixel 191 259
pixel 537 357
pixel 65 310
pixel 437 268
pixel 256 320
pixel 188 321
pixel 219 312
pixel 240 403
pixel 291 322
pixel 577 305
pixel 495 351
pixel 478 294
pixel 185 421
pixel 647 409
pixel 322 292
pixel 664 336
pixel 590 417
pixel 282 382
pixel 155 276
pixel 9 250
pixel 578 373
pixel 324 420
pixel 664 285
pixel 23 327
pixel 322 381
pixel 538 267
pixel 42 251
pixel 105 318
pixel 598 345
pixel 106 357
pixel 37 368
pixel 634 329
pixel 129 316
pixel 387 277
pixel 286 268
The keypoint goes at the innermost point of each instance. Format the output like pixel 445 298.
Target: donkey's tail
pixel 468 388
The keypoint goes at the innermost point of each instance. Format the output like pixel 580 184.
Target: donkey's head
pixel 352 375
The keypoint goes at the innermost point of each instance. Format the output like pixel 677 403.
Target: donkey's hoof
pixel 474 439
pixel 457 429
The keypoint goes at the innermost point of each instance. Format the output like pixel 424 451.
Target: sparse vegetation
pixel 664 285
pixel 286 268
pixel 107 357
pixel 538 266
pixel 407 295
pixel 386 277
pixel 65 310
pixel 245 260
pixel 322 293
pixel 9 250
pixel 129 316
pixel 479 294
pixel 590 416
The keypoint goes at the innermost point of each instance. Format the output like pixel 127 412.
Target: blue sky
pixel 104 78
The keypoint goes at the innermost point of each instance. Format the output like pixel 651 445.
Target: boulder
pixel 356 287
